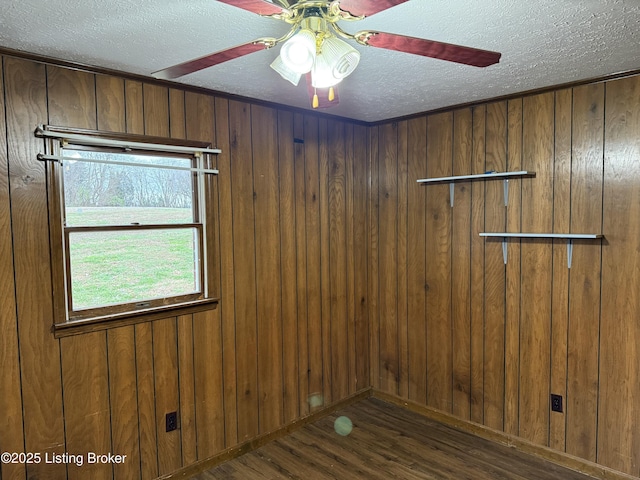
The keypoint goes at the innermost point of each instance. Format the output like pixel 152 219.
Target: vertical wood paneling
pixel 402 225
pixel 207 327
pixel 12 439
pixel 416 248
pixel 512 273
pixel 187 409
pixel 264 124
pixel 287 216
pixel 388 257
pixel 148 435
pixel 194 365
pixel 360 220
pixel 207 335
pixel 165 369
pixel 325 258
pixel 71 99
pixel 351 258
pixel 110 100
pixel 164 332
pixel 356 242
pixel 143 337
pixel 338 261
pixel 535 328
pixel 121 354
pixel 494 273
pixel 72 103
pixel 560 294
pixel 184 324
pixel 477 265
pixel 244 269
pixel 123 401
pixel 227 285
pixel 438 271
pixel 86 402
pixel 584 292
pixel 177 122
pixel 314 313
pixel 25 104
pixel 110 112
pixel 134 107
pixel 207 361
pixel 374 264
pixel 299 165
pixel 461 265
pixel 156 110
pixel 618 414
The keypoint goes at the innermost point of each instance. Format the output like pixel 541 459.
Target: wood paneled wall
pixel 291 204
pixel 337 271
pixel 455 328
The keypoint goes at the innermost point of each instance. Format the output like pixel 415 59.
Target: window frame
pixel 65 318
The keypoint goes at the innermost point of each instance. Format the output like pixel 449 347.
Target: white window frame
pixel 204 173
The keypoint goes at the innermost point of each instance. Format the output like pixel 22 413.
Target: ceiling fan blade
pixel 256 6
pixel 323 95
pixel 210 60
pixel 429 48
pixel 367 7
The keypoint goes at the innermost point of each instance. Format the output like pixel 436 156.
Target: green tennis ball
pixel 343 426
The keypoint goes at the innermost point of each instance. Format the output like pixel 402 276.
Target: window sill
pixel 88 325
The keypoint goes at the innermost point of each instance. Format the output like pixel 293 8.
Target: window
pixel 129 225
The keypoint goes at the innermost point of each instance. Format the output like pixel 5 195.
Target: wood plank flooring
pixel 387 442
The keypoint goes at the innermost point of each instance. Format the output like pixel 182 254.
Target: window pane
pixel 105 194
pixel 131 266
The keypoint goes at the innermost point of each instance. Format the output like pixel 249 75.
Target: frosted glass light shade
pixel 321 74
pixel 285 72
pixel 342 57
pixel 298 53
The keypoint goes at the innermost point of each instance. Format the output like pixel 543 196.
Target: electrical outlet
pixel 556 403
pixel 172 421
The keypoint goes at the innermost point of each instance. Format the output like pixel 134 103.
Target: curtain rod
pixel 55 158
pixel 105 142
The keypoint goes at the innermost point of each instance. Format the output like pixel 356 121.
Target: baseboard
pixel 560 458
pixel 257 442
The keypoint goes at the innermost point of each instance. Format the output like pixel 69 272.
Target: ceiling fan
pixel 314 46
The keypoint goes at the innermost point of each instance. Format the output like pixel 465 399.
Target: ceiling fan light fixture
pixel 285 72
pixel 298 53
pixel 342 57
pixel 313 45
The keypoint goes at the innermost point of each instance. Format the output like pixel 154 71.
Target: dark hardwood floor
pixel 386 442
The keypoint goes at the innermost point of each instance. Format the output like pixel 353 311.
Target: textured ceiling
pixel 543 43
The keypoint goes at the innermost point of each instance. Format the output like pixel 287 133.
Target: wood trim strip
pixel 525 446
pixel 263 439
